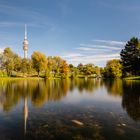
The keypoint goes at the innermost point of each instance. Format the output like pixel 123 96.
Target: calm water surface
pixel 69 110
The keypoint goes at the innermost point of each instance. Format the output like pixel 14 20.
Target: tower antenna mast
pixel 25 31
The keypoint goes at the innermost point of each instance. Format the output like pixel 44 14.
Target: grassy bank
pixel 35 77
pixel 133 78
pixel 20 78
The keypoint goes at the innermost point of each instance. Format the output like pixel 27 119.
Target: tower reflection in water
pixel 25 114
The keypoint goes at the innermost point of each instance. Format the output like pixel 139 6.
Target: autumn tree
pixel 24 65
pixel 12 61
pixel 39 62
pixel 58 62
pixel 64 68
pixel 113 69
pixel 17 63
pixel 54 65
pixel 89 69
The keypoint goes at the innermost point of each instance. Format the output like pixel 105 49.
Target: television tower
pixel 25 44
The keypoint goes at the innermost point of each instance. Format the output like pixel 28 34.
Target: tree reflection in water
pixel 114 87
pixel 11 92
pixel 131 99
pixel 40 92
pixel 130 92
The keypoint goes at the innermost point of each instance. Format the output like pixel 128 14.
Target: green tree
pixel 8 52
pixel 113 69
pixel 80 68
pixel 130 56
pixel 58 62
pixel 73 71
pixel 9 64
pixel 98 70
pixel 17 63
pixel 50 63
pixel 24 65
pixel 29 66
pixel 56 66
pixel 88 69
pixel 2 61
pixel 39 61
pixel 9 60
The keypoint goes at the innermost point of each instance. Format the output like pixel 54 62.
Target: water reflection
pixel 114 87
pixel 11 92
pixel 131 99
pixel 129 90
pixel 40 92
pixel 56 120
pixel 25 114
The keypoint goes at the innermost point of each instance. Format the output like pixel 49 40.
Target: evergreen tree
pixel 130 56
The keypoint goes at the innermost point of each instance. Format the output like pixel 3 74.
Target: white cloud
pixel 70 55
pixel 97 54
pixel 101 47
pixel 90 50
pixel 95 59
pixel 110 42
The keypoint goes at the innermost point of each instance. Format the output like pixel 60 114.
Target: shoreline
pixel 132 78
pixel 21 78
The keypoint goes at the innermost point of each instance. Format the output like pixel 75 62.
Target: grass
pixel 35 77
pixel 20 78
pixel 133 78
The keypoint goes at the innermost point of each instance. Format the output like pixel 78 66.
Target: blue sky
pixel 80 31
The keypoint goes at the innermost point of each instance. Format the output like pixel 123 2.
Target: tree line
pixel 12 64
pixel 128 65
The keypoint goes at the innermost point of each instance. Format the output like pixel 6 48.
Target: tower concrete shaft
pixel 25 54
pixel 25 44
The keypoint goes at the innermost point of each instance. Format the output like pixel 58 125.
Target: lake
pixel 80 109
